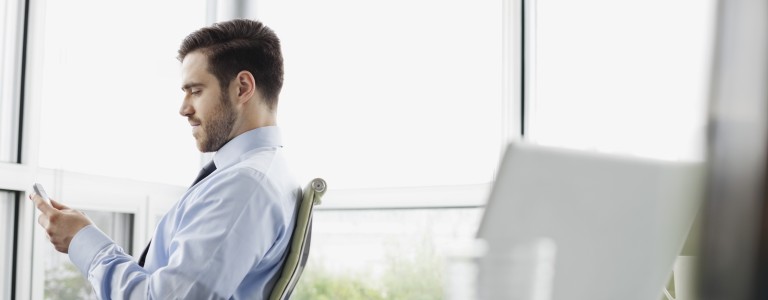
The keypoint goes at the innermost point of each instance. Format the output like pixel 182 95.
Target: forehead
pixel 194 68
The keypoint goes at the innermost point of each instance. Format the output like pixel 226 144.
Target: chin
pixel 203 149
pixel 201 145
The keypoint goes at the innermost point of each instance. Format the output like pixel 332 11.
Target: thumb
pixel 58 205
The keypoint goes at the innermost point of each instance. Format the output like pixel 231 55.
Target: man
pixel 227 236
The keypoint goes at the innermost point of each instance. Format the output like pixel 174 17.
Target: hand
pixel 60 222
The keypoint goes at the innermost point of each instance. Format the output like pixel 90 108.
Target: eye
pixel 196 92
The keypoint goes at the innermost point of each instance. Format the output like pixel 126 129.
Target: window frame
pixel 8 252
pixel 13 56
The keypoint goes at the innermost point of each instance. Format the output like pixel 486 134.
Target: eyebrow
pixel 190 85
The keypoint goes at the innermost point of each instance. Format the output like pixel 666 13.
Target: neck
pixel 253 121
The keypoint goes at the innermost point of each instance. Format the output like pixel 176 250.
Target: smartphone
pixel 41 191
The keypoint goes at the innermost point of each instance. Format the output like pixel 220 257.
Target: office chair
pixel 298 250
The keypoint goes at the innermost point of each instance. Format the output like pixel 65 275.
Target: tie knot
pixel 210 167
pixel 205 171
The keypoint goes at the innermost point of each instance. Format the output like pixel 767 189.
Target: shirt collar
pixel 230 153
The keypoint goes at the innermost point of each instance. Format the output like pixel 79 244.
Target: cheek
pixel 204 110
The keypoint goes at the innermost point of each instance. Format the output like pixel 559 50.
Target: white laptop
pixel 571 225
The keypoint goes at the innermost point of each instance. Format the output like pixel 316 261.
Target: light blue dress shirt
pixel 225 239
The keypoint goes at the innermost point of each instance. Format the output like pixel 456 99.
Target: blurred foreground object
pixel 735 229
pixel 567 224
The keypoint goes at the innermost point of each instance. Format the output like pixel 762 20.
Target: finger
pixel 58 205
pixel 43 221
pixel 41 204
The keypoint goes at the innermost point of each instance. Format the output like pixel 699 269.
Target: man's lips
pixel 195 126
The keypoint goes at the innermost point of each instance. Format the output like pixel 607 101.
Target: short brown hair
pixel 240 45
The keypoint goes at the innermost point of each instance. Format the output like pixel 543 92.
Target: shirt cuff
pixel 85 245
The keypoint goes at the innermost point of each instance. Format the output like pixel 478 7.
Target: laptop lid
pixel 612 225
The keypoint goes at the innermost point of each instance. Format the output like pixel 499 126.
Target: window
pixel 394 103
pixel 620 76
pixel 382 254
pixel 8 234
pixel 110 89
pixel 384 94
pixel 10 83
pixel 62 279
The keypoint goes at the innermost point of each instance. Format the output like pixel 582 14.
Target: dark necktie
pixel 207 170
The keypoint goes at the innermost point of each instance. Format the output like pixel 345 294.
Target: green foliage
pixel 416 278
pixel 65 282
pixel 408 278
pixel 319 284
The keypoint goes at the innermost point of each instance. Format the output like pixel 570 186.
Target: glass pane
pixel 622 76
pixel 62 279
pixel 110 89
pixel 8 246
pixel 390 93
pixel 10 50
pixel 382 254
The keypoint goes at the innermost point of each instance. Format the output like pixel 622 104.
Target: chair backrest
pixel 298 251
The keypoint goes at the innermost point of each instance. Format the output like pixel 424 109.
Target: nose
pixel 186 108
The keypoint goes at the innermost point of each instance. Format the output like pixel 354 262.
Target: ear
pixel 246 86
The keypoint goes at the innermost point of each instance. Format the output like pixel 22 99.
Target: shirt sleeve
pixel 221 235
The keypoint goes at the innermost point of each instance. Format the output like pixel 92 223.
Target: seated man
pixel 228 235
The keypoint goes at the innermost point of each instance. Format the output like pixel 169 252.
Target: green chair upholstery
pixel 298 251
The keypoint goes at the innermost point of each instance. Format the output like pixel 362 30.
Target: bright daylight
pixel 424 149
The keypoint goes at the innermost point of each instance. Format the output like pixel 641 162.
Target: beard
pixel 220 123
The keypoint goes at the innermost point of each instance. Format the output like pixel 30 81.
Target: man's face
pixel 208 108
